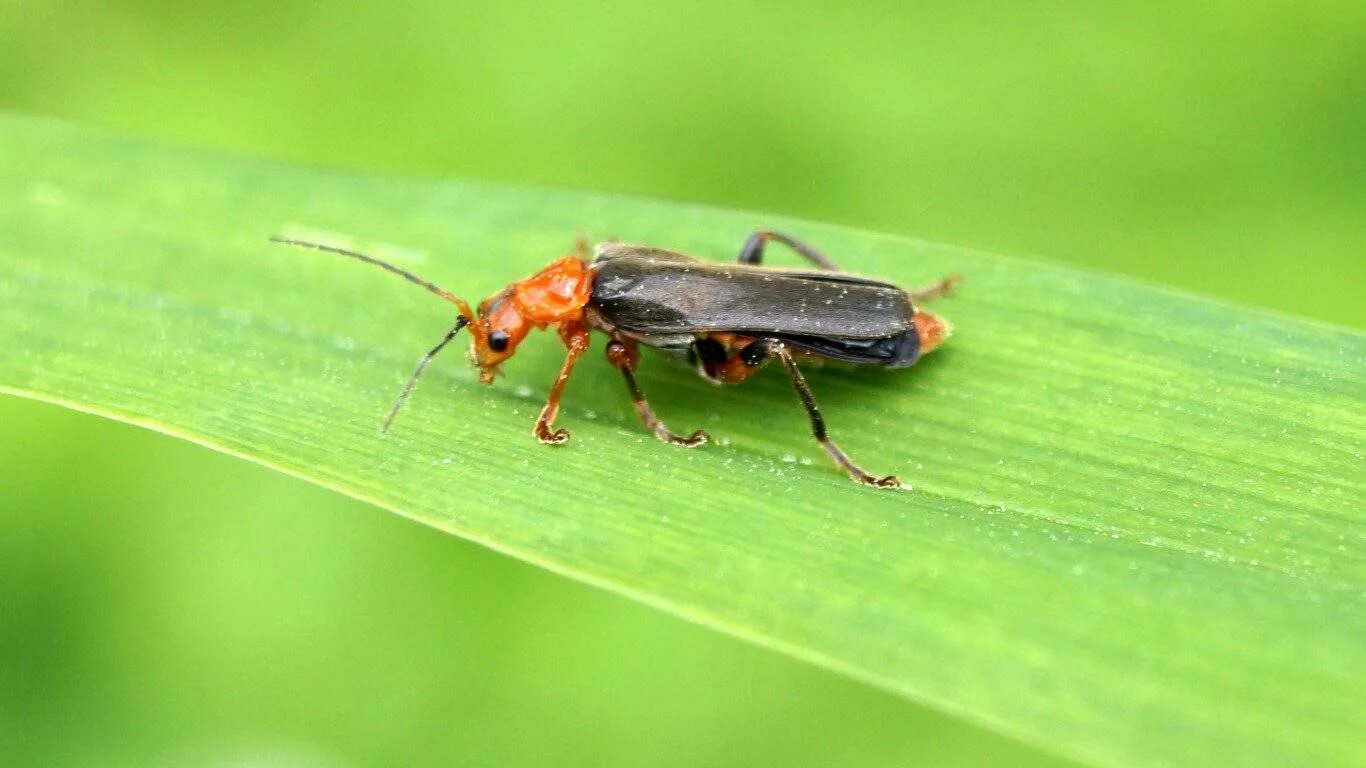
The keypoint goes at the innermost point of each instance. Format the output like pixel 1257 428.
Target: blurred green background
pixel 162 605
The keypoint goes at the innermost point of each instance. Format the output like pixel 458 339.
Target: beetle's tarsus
pixel 547 437
pixel 863 478
pixel 700 437
pixel 890 481
pixel 857 474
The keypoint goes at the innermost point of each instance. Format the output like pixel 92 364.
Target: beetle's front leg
pixel 575 338
pixel 624 356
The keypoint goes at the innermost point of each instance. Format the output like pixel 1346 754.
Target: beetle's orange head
pixel 556 294
pixel 496 332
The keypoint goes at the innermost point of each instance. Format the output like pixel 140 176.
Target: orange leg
pixel 624 355
pixel 575 338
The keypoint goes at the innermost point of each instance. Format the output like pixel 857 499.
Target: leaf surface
pixel 1135 534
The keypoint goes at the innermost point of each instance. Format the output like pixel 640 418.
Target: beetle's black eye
pixel 498 341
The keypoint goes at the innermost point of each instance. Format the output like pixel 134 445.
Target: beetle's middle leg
pixel 756 353
pixel 752 252
pixel 624 356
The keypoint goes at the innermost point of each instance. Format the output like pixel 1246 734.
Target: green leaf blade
pixel 1135 534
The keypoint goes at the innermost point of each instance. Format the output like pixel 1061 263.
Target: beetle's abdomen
pixel 899 351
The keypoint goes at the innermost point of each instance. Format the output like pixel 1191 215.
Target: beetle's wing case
pixel 656 294
pixel 664 292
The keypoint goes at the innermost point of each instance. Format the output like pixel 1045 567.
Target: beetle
pixel 726 320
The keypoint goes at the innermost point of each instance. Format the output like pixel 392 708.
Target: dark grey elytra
pixel 664 298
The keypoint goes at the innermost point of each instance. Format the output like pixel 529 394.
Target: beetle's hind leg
pixel 752 252
pixel 624 357
pixel 754 355
pixel 935 290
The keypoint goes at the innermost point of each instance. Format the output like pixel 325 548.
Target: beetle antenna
pixel 460 322
pixel 403 273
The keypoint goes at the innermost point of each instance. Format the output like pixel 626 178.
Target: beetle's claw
pixel 700 437
pixel 547 437
pixel 691 441
pixel 890 481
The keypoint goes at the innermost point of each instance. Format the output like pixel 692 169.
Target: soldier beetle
pixel 727 320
